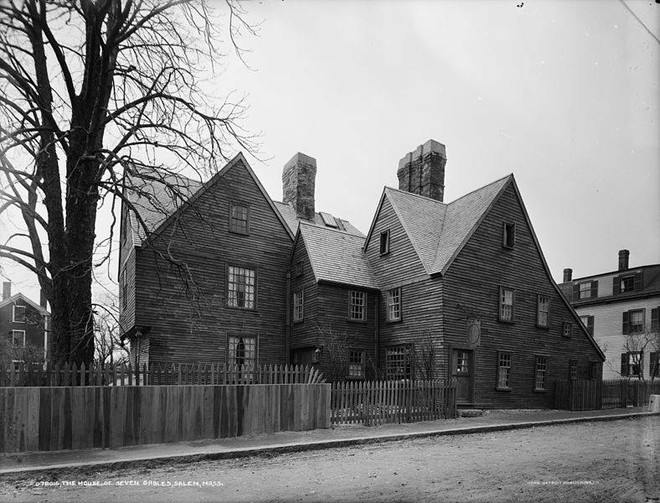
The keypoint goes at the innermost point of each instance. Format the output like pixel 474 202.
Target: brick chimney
pixel 6 290
pixel 423 171
pixel 624 255
pixel 298 179
pixel 568 275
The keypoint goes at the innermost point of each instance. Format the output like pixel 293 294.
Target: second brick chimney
pixel 298 180
pixel 6 290
pixel 624 256
pixel 568 275
pixel 422 171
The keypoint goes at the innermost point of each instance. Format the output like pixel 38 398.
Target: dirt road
pixel 615 461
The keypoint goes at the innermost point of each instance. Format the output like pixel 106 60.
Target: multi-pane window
pixel 19 314
pixel 509 234
pixel 633 321
pixel 398 363
pixel 567 329
pixel 238 219
pixel 540 373
pixel 385 242
pixel 299 268
pixel 356 363
pixel 18 338
pixel 627 284
pixel 124 289
pixel 242 351
pixel 240 287
pixel 585 290
pixel 573 370
pixel 506 304
pixel 298 305
pixel 503 370
pixel 631 363
pixel 357 309
pixel 543 311
pixel 394 304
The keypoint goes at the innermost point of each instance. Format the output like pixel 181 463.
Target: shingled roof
pixel 289 214
pixel 437 230
pixel 336 256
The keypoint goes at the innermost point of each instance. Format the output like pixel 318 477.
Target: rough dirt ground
pixel 615 461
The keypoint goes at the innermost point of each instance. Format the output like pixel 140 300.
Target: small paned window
pixel 506 304
pixel 573 370
pixel 503 370
pixel 19 314
pixel 385 242
pixel 585 290
pixel 394 304
pixel 18 338
pixel 398 362
pixel 241 287
pixel 509 234
pixel 298 306
pixel 567 329
pixel 357 309
pixel 356 363
pixel 631 364
pixel 540 373
pixel 543 311
pixel 242 351
pixel 238 219
pixel 633 321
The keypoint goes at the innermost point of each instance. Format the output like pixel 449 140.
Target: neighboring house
pixel 435 290
pixel 621 310
pixel 24 324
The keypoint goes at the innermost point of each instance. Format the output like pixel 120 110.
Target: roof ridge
pixel 405 192
pixel 481 188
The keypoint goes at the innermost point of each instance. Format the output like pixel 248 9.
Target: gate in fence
pixel 377 402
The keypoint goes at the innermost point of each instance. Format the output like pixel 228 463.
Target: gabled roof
pixel 11 300
pixel 162 197
pixel 438 231
pixel 289 214
pixel 336 256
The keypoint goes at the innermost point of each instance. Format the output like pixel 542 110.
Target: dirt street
pixel 615 461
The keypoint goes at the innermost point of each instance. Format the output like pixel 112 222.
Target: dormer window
pixel 385 242
pixel 508 234
pixel 238 219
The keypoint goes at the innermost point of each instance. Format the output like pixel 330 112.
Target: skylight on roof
pixel 329 220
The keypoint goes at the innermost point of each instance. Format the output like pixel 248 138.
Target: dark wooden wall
pixel 33 326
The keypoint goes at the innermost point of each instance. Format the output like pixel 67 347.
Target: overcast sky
pixel 562 94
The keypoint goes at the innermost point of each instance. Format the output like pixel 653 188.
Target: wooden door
pixel 462 364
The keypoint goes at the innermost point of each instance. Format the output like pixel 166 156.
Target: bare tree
pixel 110 350
pixel 99 98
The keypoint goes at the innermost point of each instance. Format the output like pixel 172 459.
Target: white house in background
pixel 621 309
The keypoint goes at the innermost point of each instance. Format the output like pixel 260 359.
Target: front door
pixel 462 364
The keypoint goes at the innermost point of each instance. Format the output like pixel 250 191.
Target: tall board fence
pixel 83 417
pixel 377 402
pixel 156 374
pixel 605 394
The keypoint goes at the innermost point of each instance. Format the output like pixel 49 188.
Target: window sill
pixel 248 309
pixel 507 389
pixel 540 390
pixel 297 322
pixel 394 321
pixel 543 327
pixel 239 233
pixel 507 322
pixel 351 320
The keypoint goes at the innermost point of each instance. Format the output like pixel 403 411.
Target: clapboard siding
pixel 64 418
pixel 471 287
pixel 191 325
pixel 402 262
pixel 304 333
pixel 127 273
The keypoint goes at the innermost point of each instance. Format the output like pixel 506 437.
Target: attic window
pixel 19 314
pixel 329 220
pixel 385 242
pixel 238 219
pixel 508 234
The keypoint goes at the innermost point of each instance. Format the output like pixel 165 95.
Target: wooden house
pixel 24 327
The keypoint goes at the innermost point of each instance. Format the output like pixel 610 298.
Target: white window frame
pixel 357 305
pixel 241 287
pixel 13 319
pixel 13 338
pixel 394 304
pixel 506 310
pixel 543 315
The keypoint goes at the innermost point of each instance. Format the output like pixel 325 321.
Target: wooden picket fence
pixel 606 394
pixel 19 374
pixel 377 402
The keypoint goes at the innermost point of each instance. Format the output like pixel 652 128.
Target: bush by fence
pixel 82 417
pixel 377 402
pixel 19 374
pixel 606 394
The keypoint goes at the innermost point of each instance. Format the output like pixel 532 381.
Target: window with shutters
pixel 631 364
pixel 588 322
pixel 633 322
pixel 627 283
pixel 543 311
pixel 506 305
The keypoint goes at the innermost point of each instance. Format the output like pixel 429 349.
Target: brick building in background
pixel 24 326
pixel 621 310
pixel 443 290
